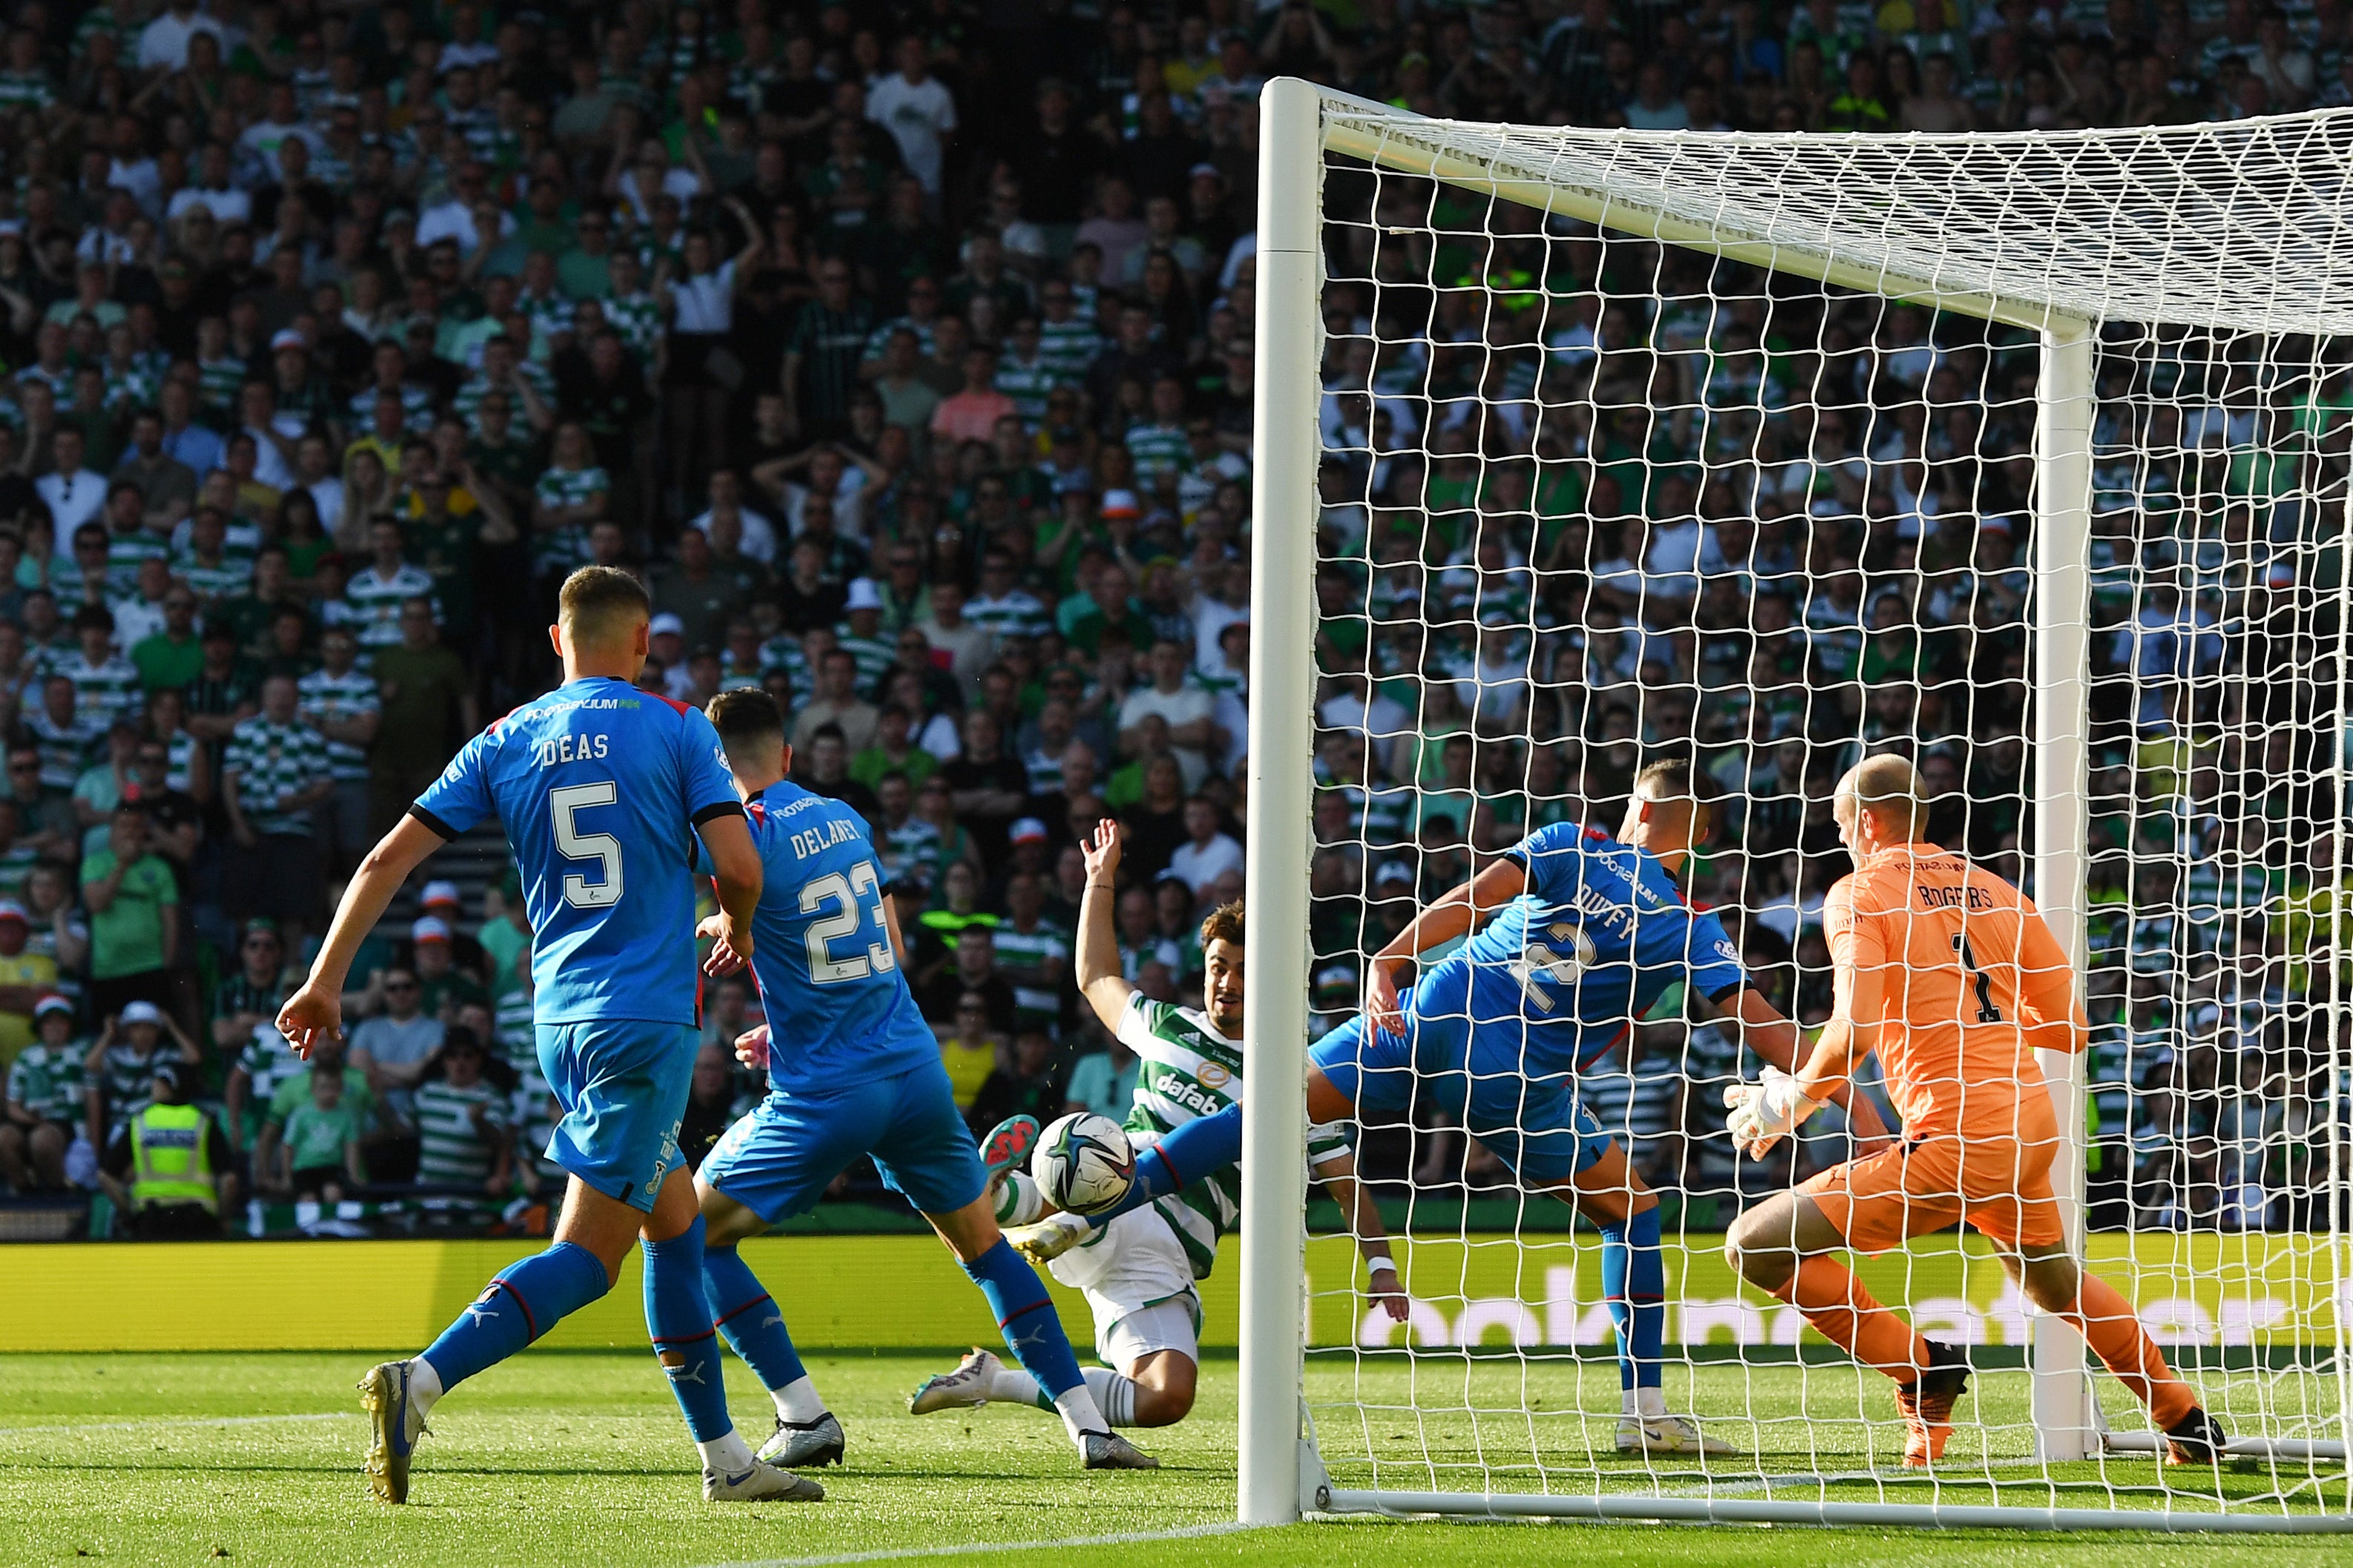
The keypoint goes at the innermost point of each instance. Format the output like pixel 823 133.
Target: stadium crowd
pixel 906 351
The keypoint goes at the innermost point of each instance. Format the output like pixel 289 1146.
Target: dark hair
pixel 1223 923
pixel 595 597
pixel 745 717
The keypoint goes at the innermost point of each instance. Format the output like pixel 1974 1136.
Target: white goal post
pixel 2240 231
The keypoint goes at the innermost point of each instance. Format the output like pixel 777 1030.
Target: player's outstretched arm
pixel 1096 968
pixel 1453 915
pixel 1338 1177
pixel 736 876
pixel 315 1012
pixel 1776 1039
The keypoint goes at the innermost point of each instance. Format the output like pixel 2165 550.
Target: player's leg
pixel 927 1153
pixel 522 1302
pixel 1783 1246
pixel 1160 1349
pixel 1213 1142
pixel 2032 1243
pixel 770 1165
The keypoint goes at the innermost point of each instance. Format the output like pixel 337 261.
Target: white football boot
pixel 761 1483
pixel 965 1388
pixel 806 1445
pixel 1049 1238
pixel 1667 1435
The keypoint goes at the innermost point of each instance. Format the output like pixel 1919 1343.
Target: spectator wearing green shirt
pixel 171 658
pixel 314 1148
pixel 134 918
pixel 45 1100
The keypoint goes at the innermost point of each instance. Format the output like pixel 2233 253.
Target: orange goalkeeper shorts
pixel 2002 1186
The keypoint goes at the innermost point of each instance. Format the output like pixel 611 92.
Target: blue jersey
pixel 1566 967
pixel 838 1009
pixel 600 787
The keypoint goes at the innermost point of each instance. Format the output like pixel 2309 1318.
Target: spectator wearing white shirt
pixel 74 494
pixel 454 219
pixel 281 123
pixel 214 189
pixel 1186 708
pixel 1208 853
pixel 726 495
pixel 919 111
pixel 165 41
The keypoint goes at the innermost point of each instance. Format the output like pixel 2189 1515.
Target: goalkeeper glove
pixel 1764 1113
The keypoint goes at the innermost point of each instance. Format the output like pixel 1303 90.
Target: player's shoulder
pixel 1559 840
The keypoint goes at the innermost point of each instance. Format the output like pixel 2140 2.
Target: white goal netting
pixel 1728 448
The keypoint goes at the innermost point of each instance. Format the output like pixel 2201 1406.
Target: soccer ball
pixel 1083 1162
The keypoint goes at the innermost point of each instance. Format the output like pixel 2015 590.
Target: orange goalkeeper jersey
pixel 1973 982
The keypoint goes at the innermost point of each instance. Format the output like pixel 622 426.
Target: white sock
pixel 1018 1201
pixel 1080 1414
pixel 1115 1392
pixel 729 1455
pixel 797 1403
pixel 1015 1386
pixel 1649 1403
pixel 424 1385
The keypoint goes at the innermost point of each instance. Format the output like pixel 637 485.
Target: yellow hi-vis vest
pixel 169 1161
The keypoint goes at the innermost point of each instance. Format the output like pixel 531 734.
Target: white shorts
pixel 1171 1325
pixel 1132 1267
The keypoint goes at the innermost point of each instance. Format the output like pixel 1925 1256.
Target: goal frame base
pixel 1338 1502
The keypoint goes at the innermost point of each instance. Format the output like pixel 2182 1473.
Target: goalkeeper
pixel 1949 973
pixel 1571 935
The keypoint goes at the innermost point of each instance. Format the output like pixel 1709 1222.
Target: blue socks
pixel 1634 1281
pixel 1026 1315
pixel 522 1301
pixel 1202 1145
pixel 747 1315
pixel 678 1317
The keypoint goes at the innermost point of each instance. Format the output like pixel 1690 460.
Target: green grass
pixel 580 1459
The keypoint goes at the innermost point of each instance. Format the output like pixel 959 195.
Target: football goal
pixel 2024 456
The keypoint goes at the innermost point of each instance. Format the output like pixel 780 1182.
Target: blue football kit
pixel 1495 1032
pixel 601 787
pixel 854 1069
pixel 1499 1029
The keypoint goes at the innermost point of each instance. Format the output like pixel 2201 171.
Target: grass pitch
pixel 580 1459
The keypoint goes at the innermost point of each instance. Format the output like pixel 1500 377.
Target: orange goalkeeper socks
pixel 2109 1326
pixel 1843 1312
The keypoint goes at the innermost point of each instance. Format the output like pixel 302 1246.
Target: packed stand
pixel 907 352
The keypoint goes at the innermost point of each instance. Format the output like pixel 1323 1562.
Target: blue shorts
pixel 1535 1126
pixel 622 1084
pixel 778 1161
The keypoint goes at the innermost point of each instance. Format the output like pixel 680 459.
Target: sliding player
pixel 1949 973
pixel 602 790
pixel 1138 1276
pixel 1581 933
pixel 854 1070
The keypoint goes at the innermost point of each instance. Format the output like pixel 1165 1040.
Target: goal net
pixel 2024 456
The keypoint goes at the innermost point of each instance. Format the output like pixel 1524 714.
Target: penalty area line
pixel 978 1548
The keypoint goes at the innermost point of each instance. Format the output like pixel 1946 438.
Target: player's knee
pixel 12 1140
pixel 1755 1253
pixel 2050 1282
pixel 47 1142
pixel 1167 1397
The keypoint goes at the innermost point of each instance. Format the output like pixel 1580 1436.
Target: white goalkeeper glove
pixel 1764 1113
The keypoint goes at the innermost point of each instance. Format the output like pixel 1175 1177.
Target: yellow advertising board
pixel 884 1292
